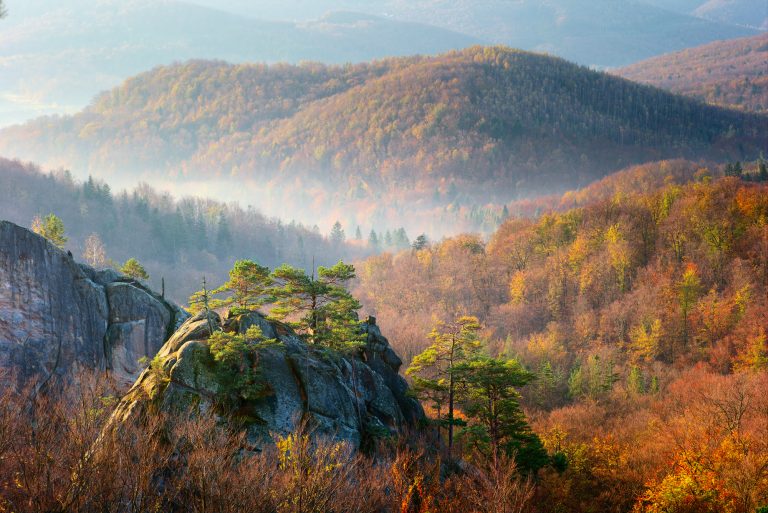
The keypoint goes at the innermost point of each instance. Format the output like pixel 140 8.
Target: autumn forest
pixel 358 258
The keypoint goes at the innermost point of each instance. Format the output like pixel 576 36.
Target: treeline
pixel 643 314
pixel 422 133
pixel 178 241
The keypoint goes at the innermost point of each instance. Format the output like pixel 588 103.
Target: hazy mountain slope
pixel 751 13
pixel 729 73
pixel 594 32
pixel 55 56
pixel 481 125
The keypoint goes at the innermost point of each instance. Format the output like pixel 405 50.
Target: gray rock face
pixel 57 316
pixel 343 397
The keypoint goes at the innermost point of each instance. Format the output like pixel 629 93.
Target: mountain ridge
pixel 426 131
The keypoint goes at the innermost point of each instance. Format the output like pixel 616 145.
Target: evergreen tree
pixel 52 228
pixel 762 169
pixel 358 234
pixel 133 269
pixel 433 371
pixel 223 235
pixel 421 242
pixel 492 403
pixel 401 239
pixel 320 308
pixel 388 239
pixel 636 381
pixel 373 239
pixel 738 170
pixel 247 287
pixel 337 234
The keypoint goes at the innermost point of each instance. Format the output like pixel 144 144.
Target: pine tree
pixel 247 287
pixel 373 240
pixel 401 239
pixel 421 242
pixel 492 403
pixel 319 308
pixel 52 228
pixel 762 169
pixel 636 381
pixel 433 371
pixel 358 234
pixel 337 234
pixel 223 235
pixel 133 269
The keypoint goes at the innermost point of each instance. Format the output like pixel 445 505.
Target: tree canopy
pixel 52 228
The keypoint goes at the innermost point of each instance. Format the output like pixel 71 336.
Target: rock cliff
pixel 58 316
pixel 354 397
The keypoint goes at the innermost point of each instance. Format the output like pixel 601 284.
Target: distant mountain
pixel 390 139
pixel 602 33
pixel 728 73
pixel 749 13
pixel 56 55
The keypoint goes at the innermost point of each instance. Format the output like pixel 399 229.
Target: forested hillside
pixel 427 133
pixel 58 54
pixel 178 241
pixel 726 73
pixel 643 313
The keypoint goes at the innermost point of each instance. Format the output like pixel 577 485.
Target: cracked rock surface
pixel 344 397
pixel 59 317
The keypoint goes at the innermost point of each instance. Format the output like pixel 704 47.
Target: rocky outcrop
pixel 59 317
pixel 353 397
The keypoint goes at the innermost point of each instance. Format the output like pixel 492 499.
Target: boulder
pixel 340 396
pixel 60 317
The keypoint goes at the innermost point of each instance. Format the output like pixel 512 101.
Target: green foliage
pixel 247 287
pixel 320 308
pixel 236 363
pixel 134 269
pixel 434 370
pixel 593 378
pixel 491 401
pixel 420 243
pixel 52 228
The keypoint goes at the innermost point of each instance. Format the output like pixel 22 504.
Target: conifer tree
pixel 247 286
pixel 318 307
pixel 401 239
pixel 337 234
pixel 762 170
pixel 421 242
pixel 134 269
pixel 373 239
pixel 433 371
pixel 492 403
pixel 52 228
